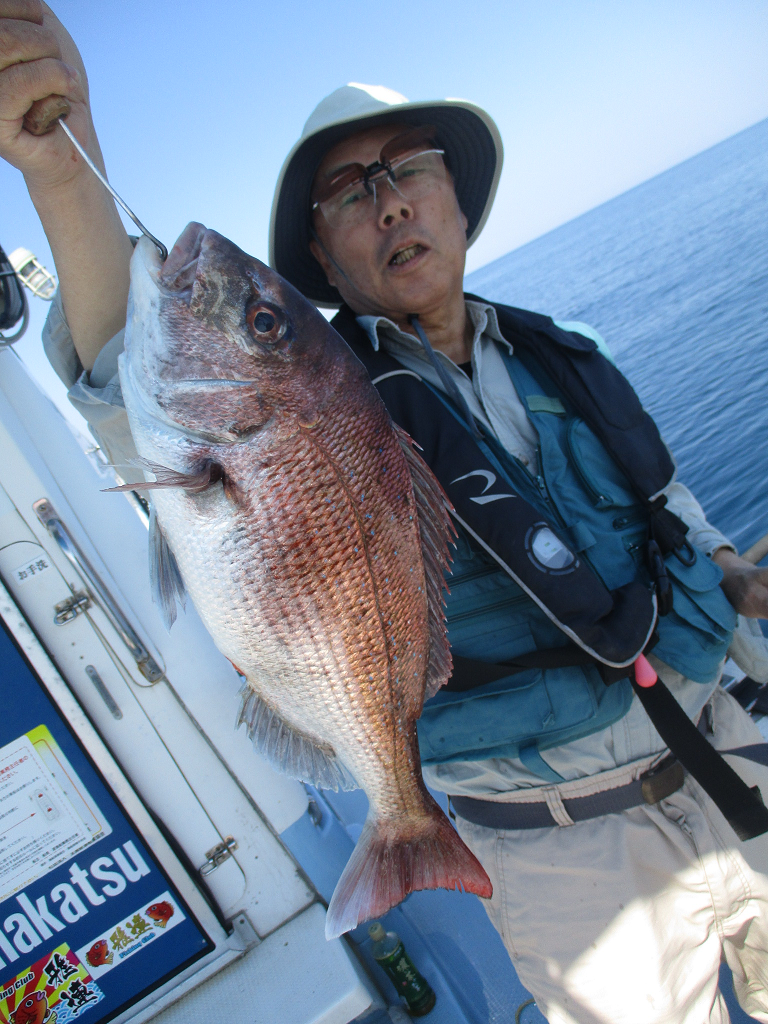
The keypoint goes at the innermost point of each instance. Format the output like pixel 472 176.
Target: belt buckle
pixel 662 781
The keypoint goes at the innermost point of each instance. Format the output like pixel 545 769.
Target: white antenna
pixel 33 274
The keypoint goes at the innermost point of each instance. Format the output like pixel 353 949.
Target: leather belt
pixel 654 785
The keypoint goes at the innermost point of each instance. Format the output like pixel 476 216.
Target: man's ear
pixel 322 258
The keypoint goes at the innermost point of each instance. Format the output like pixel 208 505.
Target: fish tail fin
pixel 391 861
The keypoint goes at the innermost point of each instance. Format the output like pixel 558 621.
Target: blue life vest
pixel 491 619
pixel 596 512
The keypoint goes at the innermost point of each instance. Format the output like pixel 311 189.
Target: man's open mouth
pixel 404 255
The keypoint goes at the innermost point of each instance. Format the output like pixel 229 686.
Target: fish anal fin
pixel 437 533
pixel 390 862
pixel 164 577
pixel 289 750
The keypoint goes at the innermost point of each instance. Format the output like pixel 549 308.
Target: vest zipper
pixel 473 574
pixel 544 490
pixel 486 609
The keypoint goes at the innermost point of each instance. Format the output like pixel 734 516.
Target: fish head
pixel 32 1009
pixel 97 954
pixel 160 911
pixel 218 344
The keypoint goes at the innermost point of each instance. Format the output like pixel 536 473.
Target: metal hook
pixel 161 248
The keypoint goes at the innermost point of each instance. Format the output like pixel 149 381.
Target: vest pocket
pixel 491 631
pixel 544 708
pixel 600 477
pixel 698 597
pixel 695 636
pixel 487 612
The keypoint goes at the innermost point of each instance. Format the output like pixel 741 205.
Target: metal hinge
pixel 71 608
pixel 221 852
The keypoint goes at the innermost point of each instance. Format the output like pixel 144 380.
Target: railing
pixel 758 551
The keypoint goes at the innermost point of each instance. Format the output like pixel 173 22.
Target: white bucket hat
pixel 473 153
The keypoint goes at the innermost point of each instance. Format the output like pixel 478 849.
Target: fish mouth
pixel 177 275
pixel 405 254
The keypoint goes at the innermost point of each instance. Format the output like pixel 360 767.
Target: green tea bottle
pixel 389 951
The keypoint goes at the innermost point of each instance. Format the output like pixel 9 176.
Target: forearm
pixel 701 533
pixel 92 253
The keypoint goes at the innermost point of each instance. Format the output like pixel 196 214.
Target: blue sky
pixel 196 104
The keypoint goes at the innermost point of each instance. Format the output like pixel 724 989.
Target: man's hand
pixel 745 585
pixel 38 58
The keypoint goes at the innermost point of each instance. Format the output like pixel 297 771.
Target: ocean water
pixel 674 275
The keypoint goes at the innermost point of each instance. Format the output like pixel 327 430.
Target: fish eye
pixel 265 323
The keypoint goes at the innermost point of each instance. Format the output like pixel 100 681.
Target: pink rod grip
pixel 644 673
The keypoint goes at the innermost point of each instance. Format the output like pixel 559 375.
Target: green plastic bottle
pixel 389 951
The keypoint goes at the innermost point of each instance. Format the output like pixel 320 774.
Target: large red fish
pixel 311 537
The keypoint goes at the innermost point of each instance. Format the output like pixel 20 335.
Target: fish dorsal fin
pixel 437 533
pixel 288 750
pixel 164 576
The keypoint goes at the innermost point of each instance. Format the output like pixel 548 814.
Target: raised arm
pixel 89 244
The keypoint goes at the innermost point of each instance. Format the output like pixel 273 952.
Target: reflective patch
pixel 547 552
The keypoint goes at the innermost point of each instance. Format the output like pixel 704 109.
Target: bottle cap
pixel 376 931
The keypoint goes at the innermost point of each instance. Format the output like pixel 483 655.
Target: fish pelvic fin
pixel 437 532
pixel 288 750
pixel 390 861
pixel 164 576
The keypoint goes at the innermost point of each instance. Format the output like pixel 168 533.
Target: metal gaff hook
pixel 161 248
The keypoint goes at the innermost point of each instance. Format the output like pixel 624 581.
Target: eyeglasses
pixel 410 164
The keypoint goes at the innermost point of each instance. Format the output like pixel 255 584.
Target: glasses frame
pixel 385 166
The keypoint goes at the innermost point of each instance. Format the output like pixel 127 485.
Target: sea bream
pixel 311 537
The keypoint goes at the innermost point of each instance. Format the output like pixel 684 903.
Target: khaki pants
pixel 624 919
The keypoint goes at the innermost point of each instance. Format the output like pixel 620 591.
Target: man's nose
pixel 391 206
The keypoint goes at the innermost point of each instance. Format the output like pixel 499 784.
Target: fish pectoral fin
pixel 289 750
pixel 209 473
pixel 164 577
pixel 437 533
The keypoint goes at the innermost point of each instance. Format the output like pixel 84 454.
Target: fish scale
pixel 311 538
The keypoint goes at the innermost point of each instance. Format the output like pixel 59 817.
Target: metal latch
pixel 71 608
pixel 221 852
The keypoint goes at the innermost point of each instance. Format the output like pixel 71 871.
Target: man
pixel 618 883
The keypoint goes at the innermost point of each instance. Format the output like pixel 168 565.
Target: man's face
pixel 406 257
